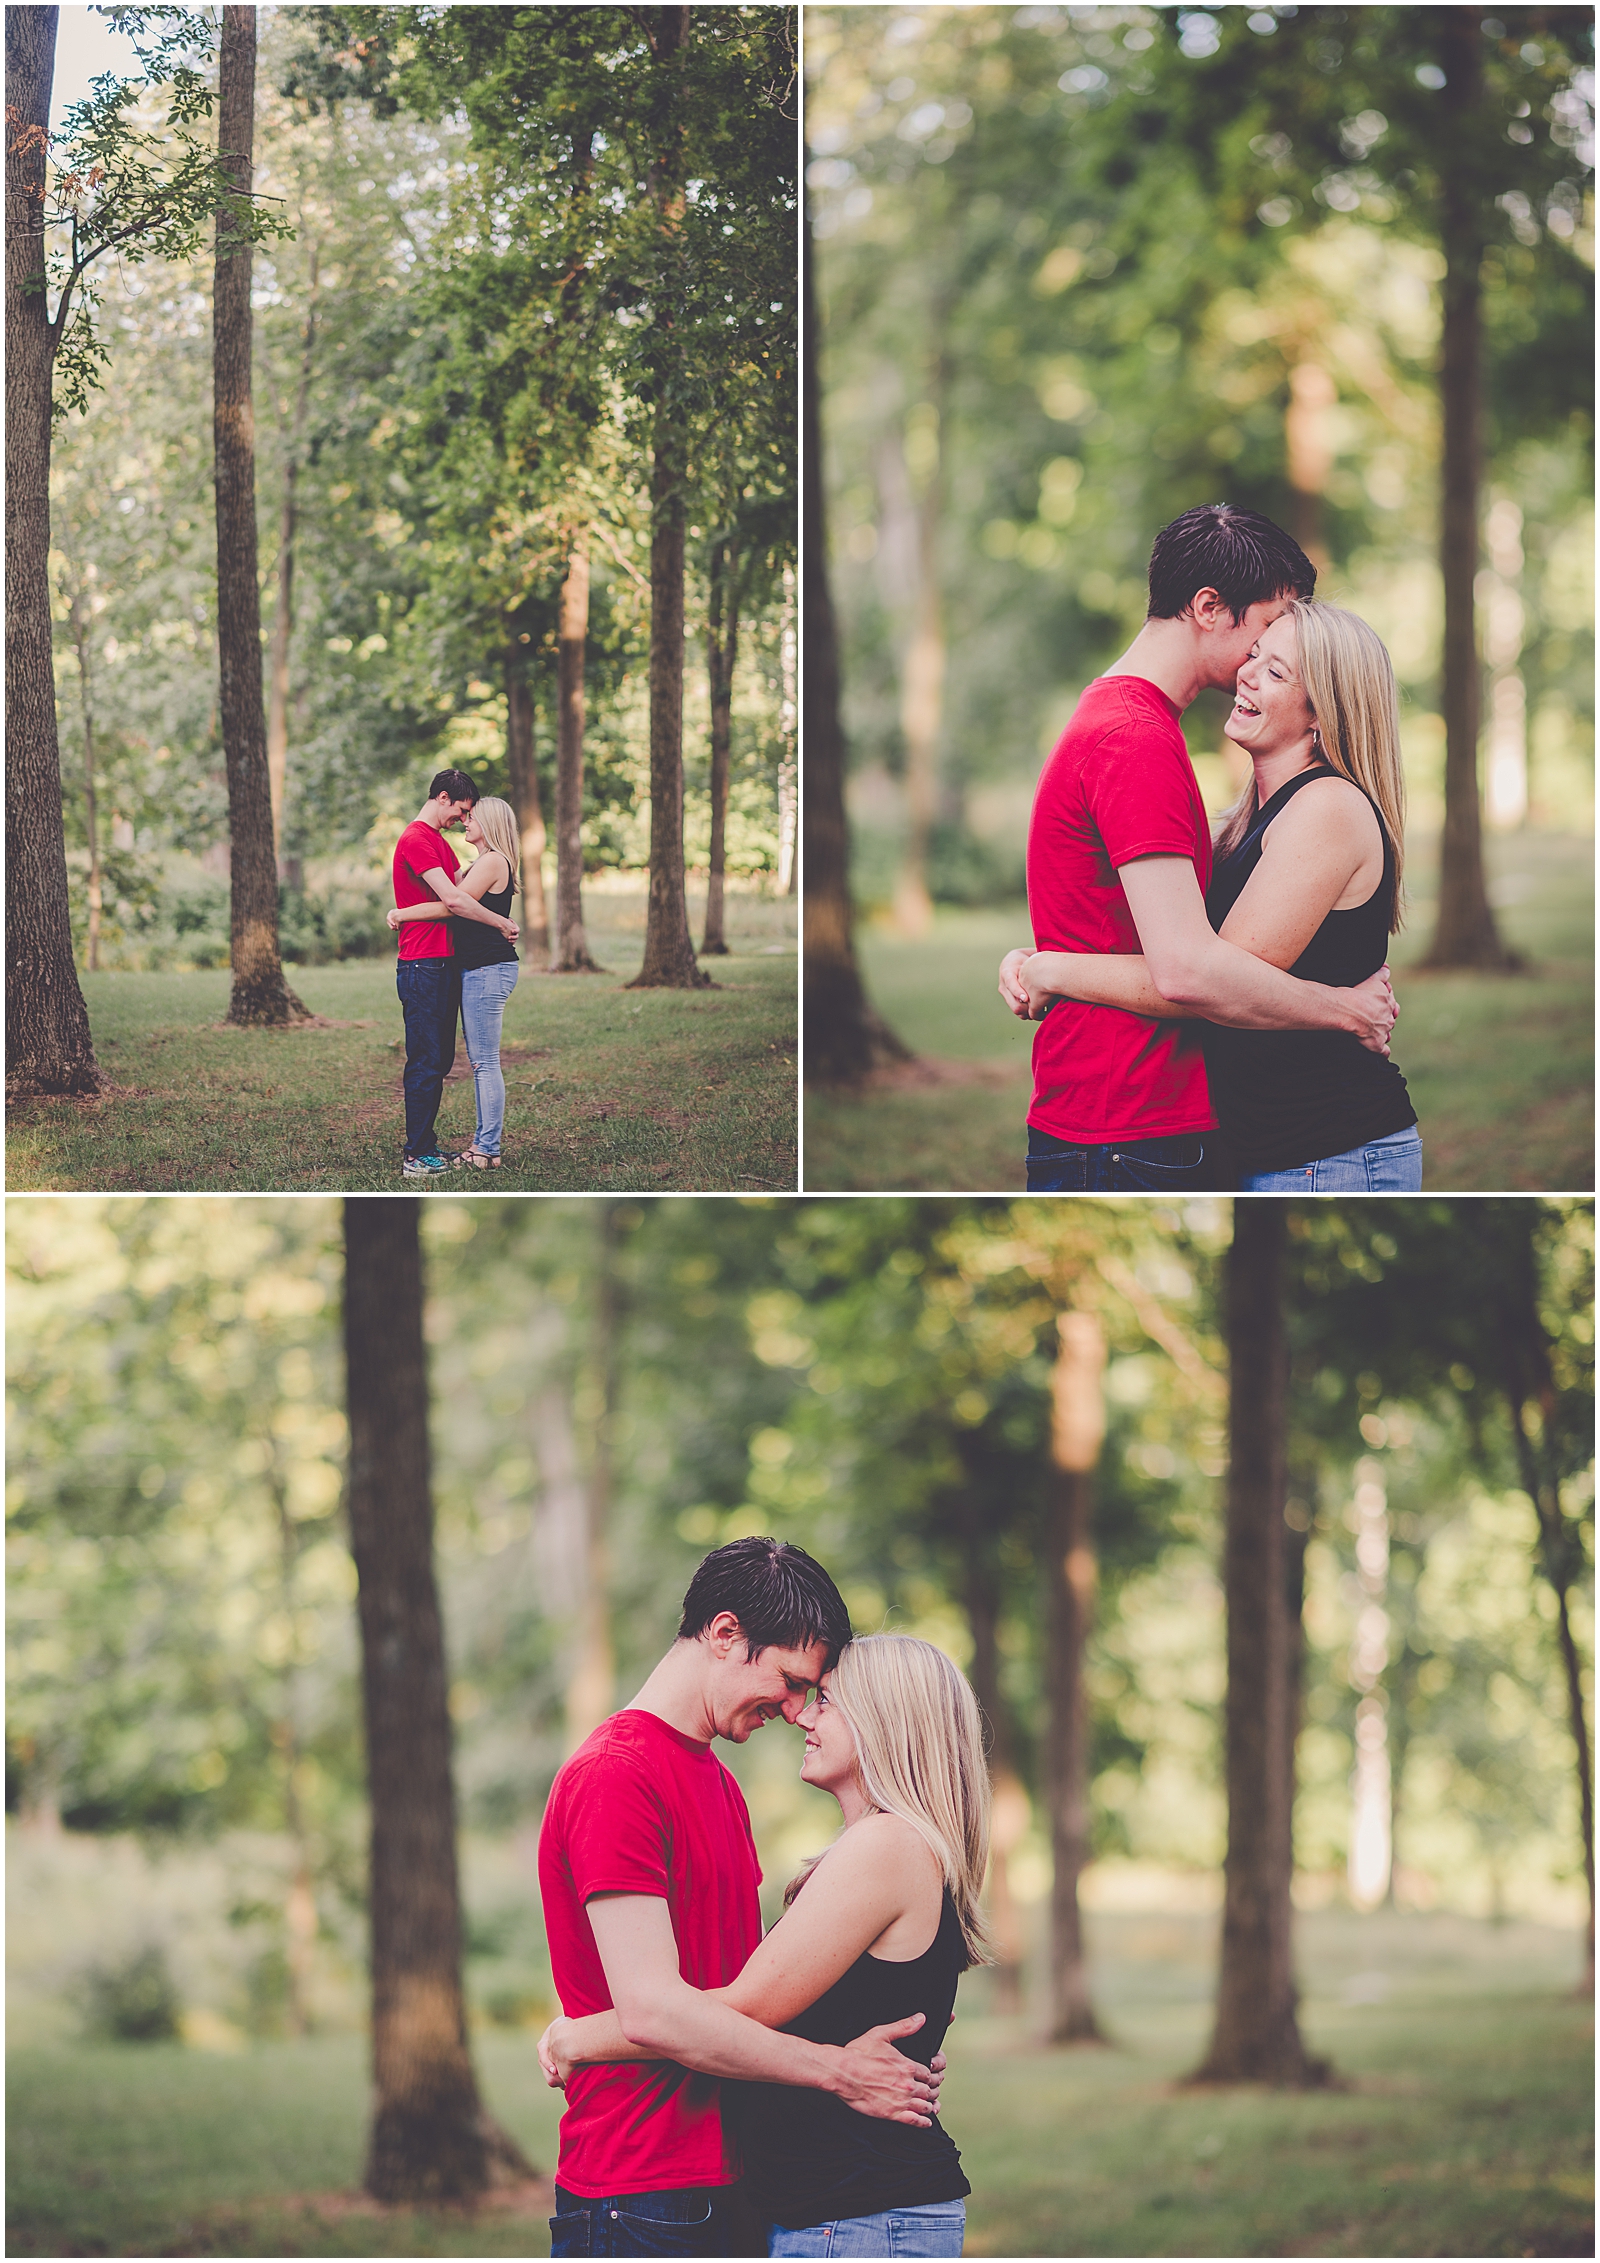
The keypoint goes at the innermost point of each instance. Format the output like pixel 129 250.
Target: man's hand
pixel 1373 1002
pixel 1039 999
pixel 877 2080
pixel 509 929
pixel 394 921
pixel 1011 989
pixel 556 2066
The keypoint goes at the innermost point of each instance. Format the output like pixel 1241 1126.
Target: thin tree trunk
pixel 1256 2037
pixel 722 646
pixel 300 1906
pixel 591 1687
pixel 571 955
pixel 788 764
pixel 922 689
pixel 844 1037
pixel 260 994
pixel 527 801
pixel 48 1045
pixel 430 2139
pixel 283 616
pixel 1076 1430
pixel 1466 934
pixel 80 644
pixel 669 960
pixel 1010 1801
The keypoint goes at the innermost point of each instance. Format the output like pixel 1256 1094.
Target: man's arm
pixel 1195 968
pixel 663 2017
pixel 460 900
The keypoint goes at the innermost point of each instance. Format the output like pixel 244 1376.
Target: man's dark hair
pixel 1239 554
pixel 780 1596
pixel 456 784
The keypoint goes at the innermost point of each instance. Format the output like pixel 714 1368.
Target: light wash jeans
pixel 938 2229
pixel 484 991
pixel 1392 1165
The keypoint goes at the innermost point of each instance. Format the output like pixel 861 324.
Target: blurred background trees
pixel 914 1390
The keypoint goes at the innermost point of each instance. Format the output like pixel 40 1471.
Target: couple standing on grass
pixel 690 2047
pixel 1216 1014
pixel 462 965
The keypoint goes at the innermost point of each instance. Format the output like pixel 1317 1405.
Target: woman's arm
pixel 461 897
pixel 1323 848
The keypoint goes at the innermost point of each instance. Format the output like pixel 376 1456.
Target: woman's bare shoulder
pixel 1328 801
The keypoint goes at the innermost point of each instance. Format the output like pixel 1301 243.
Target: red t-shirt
pixel 421 848
pixel 1120 786
pixel 642 1809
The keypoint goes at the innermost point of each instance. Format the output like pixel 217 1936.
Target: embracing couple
pixel 461 965
pixel 1217 1015
pixel 690 2046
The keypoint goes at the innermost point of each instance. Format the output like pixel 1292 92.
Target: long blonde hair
pixel 919 1755
pixel 497 821
pixel 1348 680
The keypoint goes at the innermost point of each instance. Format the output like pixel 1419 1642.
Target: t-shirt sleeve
pixel 618 1831
pixel 1138 796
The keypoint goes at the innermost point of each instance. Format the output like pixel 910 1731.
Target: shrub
pixel 134 2001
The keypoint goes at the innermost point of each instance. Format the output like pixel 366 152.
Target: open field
pixel 1500 1067
pixel 1461 2123
pixel 647 1091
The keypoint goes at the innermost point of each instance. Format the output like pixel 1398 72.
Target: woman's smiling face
pixel 472 829
pixel 830 1758
pixel 1270 712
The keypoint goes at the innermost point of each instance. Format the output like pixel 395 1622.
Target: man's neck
pixel 1164 654
pixel 428 814
pixel 675 1693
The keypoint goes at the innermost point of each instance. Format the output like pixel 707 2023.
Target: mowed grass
pixel 607 1089
pixel 1500 1067
pixel 1461 2123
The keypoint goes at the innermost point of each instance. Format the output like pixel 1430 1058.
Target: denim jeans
pixel 1392 1165
pixel 637 2223
pixel 935 2230
pixel 430 998
pixel 484 992
pixel 1187 1163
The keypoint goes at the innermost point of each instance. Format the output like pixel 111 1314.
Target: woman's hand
pixel 1011 989
pixel 1033 979
pixel 1375 1010
pixel 553 2056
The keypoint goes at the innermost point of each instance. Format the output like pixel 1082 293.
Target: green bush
pixel 133 2001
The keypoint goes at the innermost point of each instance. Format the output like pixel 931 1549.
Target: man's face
pixel 749 1692
pixel 454 811
pixel 1231 642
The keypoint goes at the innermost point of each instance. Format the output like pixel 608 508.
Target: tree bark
pixel 1256 2037
pixel 591 1685
pixel 48 1045
pixel 430 2138
pixel 1010 1800
pixel 527 801
pixel 260 995
pixel 922 686
pixel 80 644
pixel 571 955
pixel 722 646
pixel 1077 1428
pixel 669 960
pixel 789 762
pixel 844 1037
pixel 1466 934
pixel 283 616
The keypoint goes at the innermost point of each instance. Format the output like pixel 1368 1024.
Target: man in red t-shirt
pixel 648 1875
pixel 1119 857
pixel 426 975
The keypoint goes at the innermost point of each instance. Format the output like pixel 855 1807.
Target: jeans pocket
pixel 571 2234
pixel 1148 1176
pixel 636 2233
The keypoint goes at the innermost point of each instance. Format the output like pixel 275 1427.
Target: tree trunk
pixel 669 960
pixel 48 1046
pixel 80 644
pixel 788 764
pixel 571 955
pixel 722 645
pixel 527 801
pixel 260 995
pixel 1077 1427
pixel 283 616
pixel 1010 1800
pixel 430 2139
pixel 922 685
pixel 1466 934
pixel 844 1036
pixel 1256 2037
pixel 591 1686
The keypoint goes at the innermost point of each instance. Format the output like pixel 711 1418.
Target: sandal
pixel 478 1162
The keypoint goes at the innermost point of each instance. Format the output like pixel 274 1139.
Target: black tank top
pixel 477 944
pixel 808 2157
pixel 1291 1096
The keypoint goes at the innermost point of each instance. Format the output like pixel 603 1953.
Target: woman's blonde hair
pixel 919 1755
pixel 1348 680
pixel 497 821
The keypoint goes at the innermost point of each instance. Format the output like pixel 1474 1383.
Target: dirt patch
pixel 927 1071
pixel 282 1029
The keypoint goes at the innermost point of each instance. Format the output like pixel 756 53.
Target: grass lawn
pixel 1462 2124
pixel 646 1091
pixel 1500 1068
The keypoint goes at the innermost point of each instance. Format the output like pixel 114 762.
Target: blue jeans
pixel 1392 1165
pixel 638 2223
pixel 484 992
pixel 430 998
pixel 1186 1163
pixel 935 2230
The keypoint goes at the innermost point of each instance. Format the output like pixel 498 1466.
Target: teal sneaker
pixel 425 1166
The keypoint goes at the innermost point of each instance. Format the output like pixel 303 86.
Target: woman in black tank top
pixel 1306 875
pixel 875 1933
